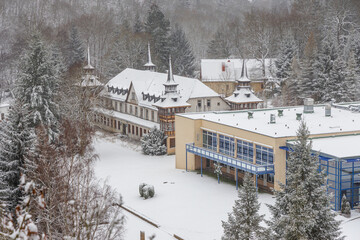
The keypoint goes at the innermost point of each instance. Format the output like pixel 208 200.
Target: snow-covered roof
pixel 128 117
pixel 89 81
pixel 173 100
pixel 338 146
pixel 286 126
pixel 243 95
pixel 212 69
pixel 149 86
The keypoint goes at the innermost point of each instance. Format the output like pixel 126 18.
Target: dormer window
pixel 132 96
pixel 247 95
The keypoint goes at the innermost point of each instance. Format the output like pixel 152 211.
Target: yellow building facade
pixel 244 141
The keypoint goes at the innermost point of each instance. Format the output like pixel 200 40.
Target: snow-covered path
pixel 184 204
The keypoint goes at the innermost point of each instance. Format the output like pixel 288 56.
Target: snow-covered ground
pixel 184 204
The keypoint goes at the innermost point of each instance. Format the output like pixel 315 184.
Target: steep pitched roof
pixel 212 69
pixel 149 86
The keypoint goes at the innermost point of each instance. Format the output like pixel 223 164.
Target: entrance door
pixel 124 129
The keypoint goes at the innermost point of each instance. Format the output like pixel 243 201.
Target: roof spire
pixel 170 85
pixel 88 53
pixel 88 67
pixel 149 53
pixel 149 65
pixel 170 77
pixel 244 72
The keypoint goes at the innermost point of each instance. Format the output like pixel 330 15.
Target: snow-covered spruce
pixel 37 86
pixel 244 221
pixel 16 140
pixel 153 143
pixel 302 209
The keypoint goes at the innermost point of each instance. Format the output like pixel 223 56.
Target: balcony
pixel 230 161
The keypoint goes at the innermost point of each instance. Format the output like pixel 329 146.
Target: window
pixel 120 110
pixel 245 150
pixel 218 103
pixel 119 124
pixel 137 131
pixel 208 103
pixel 199 103
pixel 152 115
pixel 130 109
pixel 132 128
pixel 136 111
pixel 210 140
pixel 132 96
pixel 264 155
pixel 147 114
pixel 141 112
pixel 141 132
pixel 172 142
pixel 226 145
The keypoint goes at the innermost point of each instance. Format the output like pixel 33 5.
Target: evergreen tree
pixel 153 143
pixel 76 52
pixel 308 86
pixel 302 208
pixel 181 53
pixel 244 221
pixel 15 144
pixel 128 51
pixel 290 89
pixel 325 61
pixel 138 25
pixel 285 58
pixel 352 78
pixel 158 27
pixel 336 87
pixel 37 86
pixel 219 47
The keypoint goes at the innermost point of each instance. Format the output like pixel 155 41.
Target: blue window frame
pixel 226 145
pixel 209 140
pixel 264 155
pixel 245 150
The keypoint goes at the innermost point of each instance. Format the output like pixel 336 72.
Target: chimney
pixel 327 110
pixel 280 112
pixel 272 118
pixel 223 67
pixel 308 105
pixel 250 115
pixel 298 116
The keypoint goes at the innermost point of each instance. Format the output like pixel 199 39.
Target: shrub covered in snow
pixel 153 142
pixel 345 206
pixel 141 186
pixel 146 191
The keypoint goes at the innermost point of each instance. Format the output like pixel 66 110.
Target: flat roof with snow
pixel 286 126
pixel 338 146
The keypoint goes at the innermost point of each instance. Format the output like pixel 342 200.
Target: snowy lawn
pixel 184 203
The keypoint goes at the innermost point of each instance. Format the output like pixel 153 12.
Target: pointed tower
pixel 149 65
pixel 244 80
pixel 89 69
pixel 170 85
pixel 89 79
pixel 243 97
pixel 171 102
